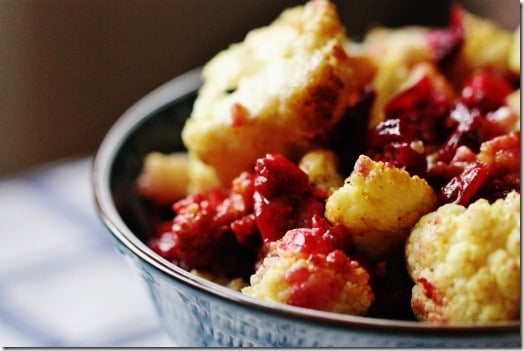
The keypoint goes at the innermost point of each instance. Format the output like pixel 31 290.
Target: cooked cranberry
pixel 321 237
pixel 208 225
pixel 282 197
pixel 445 41
pixel 502 157
pixel 246 231
pixel 414 123
pixel 403 155
pixel 390 130
pixel 430 290
pixel 486 90
pixel 422 107
pixel 462 188
pixel 466 128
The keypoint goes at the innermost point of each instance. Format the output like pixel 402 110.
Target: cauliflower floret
pixel 321 167
pixel 465 262
pixel 302 271
pixel 513 102
pixel 279 91
pixel 379 204
pixel 164 177
pixel 236 284
pixel 201 177
pixel 514 53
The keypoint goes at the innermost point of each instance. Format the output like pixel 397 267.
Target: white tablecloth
pixel 62 283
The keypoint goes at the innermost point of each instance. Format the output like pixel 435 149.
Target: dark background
pixel 69 69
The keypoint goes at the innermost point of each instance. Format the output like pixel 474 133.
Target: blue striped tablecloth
pixel 62 284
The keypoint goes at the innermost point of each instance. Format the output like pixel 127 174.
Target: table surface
pixel 62 283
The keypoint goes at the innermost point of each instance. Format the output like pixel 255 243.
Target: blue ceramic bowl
pixel 196 312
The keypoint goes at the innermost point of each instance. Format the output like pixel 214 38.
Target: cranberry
pixel 414 122
pixel 283 197
pixel 486 90
pixel 209 224
pixel 466 126
pixel 403 155
pixel 321 237
pixel 462 188
pixel 430 290
pixel 445 41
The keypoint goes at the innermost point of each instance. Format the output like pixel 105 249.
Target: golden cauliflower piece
pixel 281 90
pixel 513 102
pixel 379 204
pixel 465 262
pixel 319 277
pixel 320 165
pixel 164 177
pixel 236 284
pixel 514 53
pixel 201 176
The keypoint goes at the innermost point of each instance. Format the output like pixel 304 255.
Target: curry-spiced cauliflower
pixel 308 268
pixel 321 167
pixel 281 90
pixel 378 205
pixel 465 262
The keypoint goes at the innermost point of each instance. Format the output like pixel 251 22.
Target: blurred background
pixel 69 69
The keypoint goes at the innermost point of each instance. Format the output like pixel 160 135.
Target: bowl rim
pixel 145 108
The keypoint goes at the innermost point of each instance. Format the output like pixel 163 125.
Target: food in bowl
pixel 378 178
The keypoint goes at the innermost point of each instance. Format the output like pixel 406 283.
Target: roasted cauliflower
pixel 308 268
pixel 320 165
pixel 378 205
pixel 465 262
pixel 281 90
pixel 514 53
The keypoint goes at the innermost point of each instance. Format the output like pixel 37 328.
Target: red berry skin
pixel 486 90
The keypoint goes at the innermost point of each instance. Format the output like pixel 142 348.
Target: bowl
pixel 197 312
